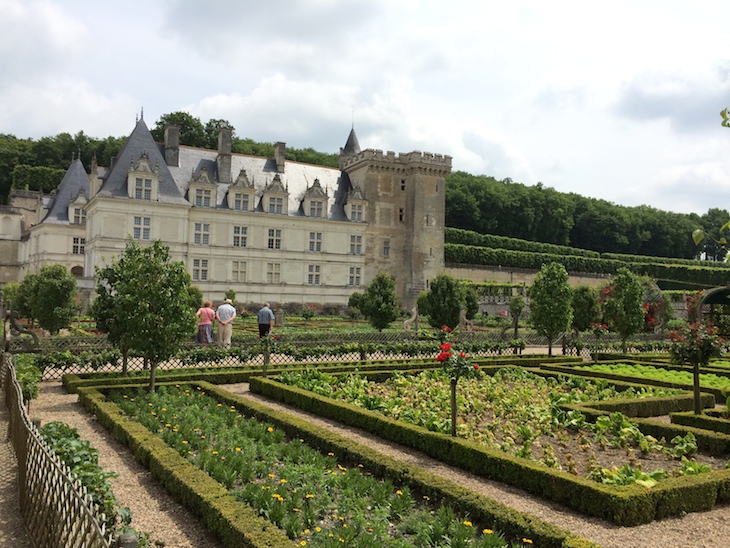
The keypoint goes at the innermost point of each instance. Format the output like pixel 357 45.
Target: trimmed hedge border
pixel 238 525
pixel 627 506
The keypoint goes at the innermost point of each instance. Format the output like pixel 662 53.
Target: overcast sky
pixel 616 100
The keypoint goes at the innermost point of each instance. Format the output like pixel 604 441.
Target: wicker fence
pixel 56 508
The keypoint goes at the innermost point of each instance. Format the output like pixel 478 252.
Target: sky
pixel 615 100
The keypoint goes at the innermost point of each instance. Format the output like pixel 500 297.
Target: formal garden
pixel 614 418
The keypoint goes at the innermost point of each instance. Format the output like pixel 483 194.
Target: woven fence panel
pixel 56 508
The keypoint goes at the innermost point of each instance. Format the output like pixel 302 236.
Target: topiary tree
pixel 52 297
pixel 516 306
pixel 445 300
pixel 23 297
pixel 551 308
pixel 621 302
pixel 379 303
pixel 585 307
pixel 144 303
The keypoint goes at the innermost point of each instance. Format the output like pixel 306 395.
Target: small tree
pixel 144 303
pixel 551 308
pixel 445 300
pixel 622 305
pixel 379 303
pixel 516 306
pixel 696 343
pixel 23 297
pixel 585 307
pixel 10 294
pixel 53 298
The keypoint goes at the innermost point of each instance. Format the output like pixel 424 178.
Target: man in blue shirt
pixel 265 318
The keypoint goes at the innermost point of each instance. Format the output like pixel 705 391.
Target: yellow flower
pixel 238 448
pixel 399 492
pixel 526 541
pixel 318 529
pixel 185 442
pixel 282 480
pixel 309 496
pixel 426 497
pixel 331 454
pixel 303 543
pixel 487 531
pixel 305 532
pixel 269 429
pixel 467 523
pixel 219 405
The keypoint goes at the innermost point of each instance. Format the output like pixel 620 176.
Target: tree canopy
pixel 49 297
pixel 145 303
pixel 551 308
pixel 379 303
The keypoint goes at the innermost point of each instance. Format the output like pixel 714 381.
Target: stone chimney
pixel 224 155
pixel 172 145
pixel 280 156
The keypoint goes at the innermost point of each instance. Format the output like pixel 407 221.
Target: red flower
pixel 445 347
pixel 461 354
pixel 446 328
pixel 443 356
pixel 476 367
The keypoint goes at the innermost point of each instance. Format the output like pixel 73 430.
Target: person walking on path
pixel 265 318
pixel 226 313
pixel 205 315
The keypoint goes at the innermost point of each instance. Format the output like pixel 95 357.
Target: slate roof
pixel 74 182
pixel 140 141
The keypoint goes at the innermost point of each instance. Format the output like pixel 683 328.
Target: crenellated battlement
pixel 401 160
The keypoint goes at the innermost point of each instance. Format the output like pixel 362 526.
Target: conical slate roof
pixel 74 182
pixel 140 142
pixel 351 146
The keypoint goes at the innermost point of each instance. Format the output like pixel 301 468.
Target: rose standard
pixel 696 343
pixel 456 365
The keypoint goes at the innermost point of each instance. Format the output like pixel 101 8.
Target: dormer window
pixel 142 189
pixel 275 197
pixel 202 197
pixel 79 216
pixel 314 203
pixel 315 208
pixel 356 208
pixel 241 193
pixel 143 179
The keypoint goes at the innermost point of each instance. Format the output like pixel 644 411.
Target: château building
pixel 270 229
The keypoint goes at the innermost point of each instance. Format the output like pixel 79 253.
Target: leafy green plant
pixel 83 462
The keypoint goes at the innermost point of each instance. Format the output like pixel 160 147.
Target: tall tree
pixel 551 308
pixel 621 302
pixel 585 307
pixel 192 131
pixel 379 303
pixel 446 298
pixel 145 303
pixel 53 297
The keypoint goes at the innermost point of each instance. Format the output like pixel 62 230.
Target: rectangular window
pixel 356 212
pixel 355 245
pixel 274 238
pixel 354 276
pixel 313 275
pixel 386 248
pixel 238 271
pixel 315 209
pixel 201 234
pixel 79 246
pixel 143 189
pixel 200 270
pixel 79 216
pixel 315 242
pixel 202 198
pixel 141 229
pixel 402 184
pixel 240 201
pixel 276 205
pixel 401 214
pixel 273 273
pixel 240 236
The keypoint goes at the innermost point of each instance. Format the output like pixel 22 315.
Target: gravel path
pixel 155 512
